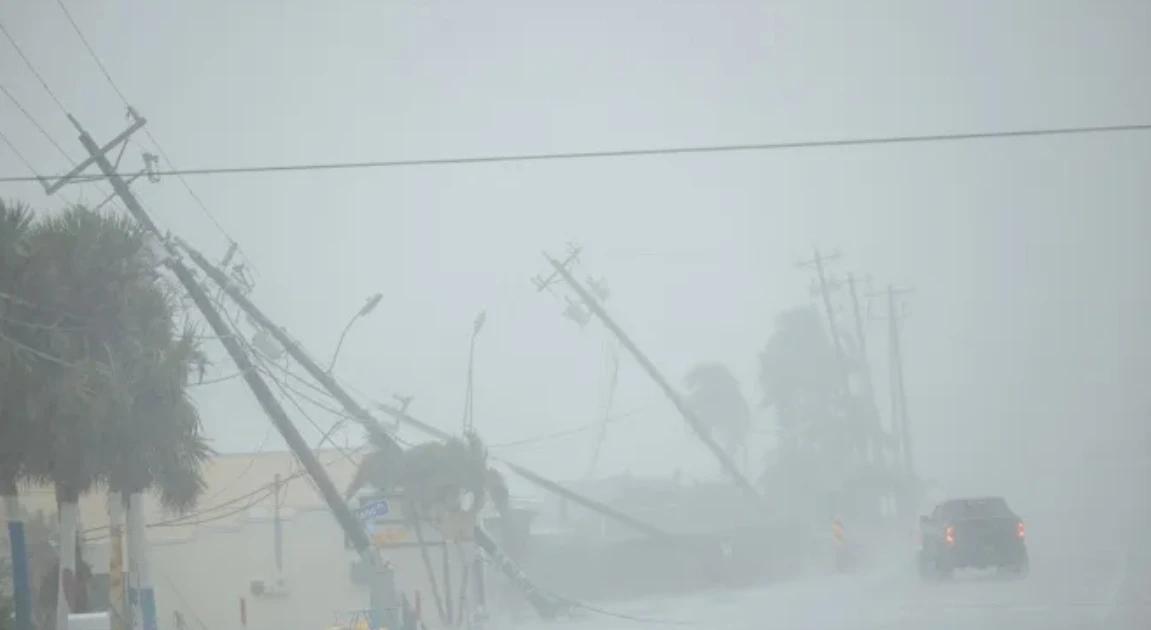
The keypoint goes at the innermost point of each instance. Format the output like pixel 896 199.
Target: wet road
pixel 1101 589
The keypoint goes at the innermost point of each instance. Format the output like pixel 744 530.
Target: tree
pixel 101 366
pixel 433 477
pixel 714 395
pixel 799 376
pixel 23 441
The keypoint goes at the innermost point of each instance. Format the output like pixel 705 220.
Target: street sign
pixel 374 509
pixel 388 536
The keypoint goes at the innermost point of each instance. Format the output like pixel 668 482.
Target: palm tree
pixel 163 449
pixel 112 371
pixel 22 440
pixel 432 477
pixel 714 395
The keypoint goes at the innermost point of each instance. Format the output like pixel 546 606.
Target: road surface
pixel 1106 587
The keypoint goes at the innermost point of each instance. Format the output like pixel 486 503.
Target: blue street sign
pixel 375 509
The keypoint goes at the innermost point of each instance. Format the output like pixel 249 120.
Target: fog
pixel 1026 346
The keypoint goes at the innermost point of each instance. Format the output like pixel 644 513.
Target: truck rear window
pixel 991 507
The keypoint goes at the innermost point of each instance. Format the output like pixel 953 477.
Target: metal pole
pixel 279 529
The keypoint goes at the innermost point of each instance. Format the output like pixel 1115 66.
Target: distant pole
pixel 860 337
pixel 477 325
pixel 824 289
pixel 279 527
pixel 898 391
pixel 449 613
pixel 875 430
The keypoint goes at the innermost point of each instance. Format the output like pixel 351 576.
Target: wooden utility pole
pixel 369 422
pixel 593 304
pixel 898 391
pixel 880 439
pixel 860 339
pixel 824 287
pixel 544 604
pixel 900 422
pixel 383 596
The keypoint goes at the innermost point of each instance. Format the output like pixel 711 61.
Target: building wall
pixel 203 562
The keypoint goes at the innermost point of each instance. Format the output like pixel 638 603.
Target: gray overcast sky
pixel 1030 255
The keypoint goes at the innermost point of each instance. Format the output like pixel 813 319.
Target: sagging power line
pixel 627 153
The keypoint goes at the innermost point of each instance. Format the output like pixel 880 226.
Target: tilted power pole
pixel 823 288
pixel 383 595
pixel 593 304
pixel 901 424
pixel 545 605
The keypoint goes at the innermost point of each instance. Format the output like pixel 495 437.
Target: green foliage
pixel 798 373
pixel 433 475
pixel 95 360
pixel 715 397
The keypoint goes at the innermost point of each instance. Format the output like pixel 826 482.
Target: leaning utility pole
pixel 881 440
pixel 693 421
pixel 900 423
pixel 369 422
pixel 544 604
pixel 824 287
pixel 383 596
pixel 860 339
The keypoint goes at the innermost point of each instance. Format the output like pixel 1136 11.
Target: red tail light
pixel 1020 529
pixel 949 535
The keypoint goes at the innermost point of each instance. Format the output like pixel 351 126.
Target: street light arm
pixel 340 343
pixel 370 306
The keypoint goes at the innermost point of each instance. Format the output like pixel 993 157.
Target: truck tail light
pixel 1020 529
pixel 949 535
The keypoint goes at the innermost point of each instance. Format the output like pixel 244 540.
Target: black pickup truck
pixel 975 533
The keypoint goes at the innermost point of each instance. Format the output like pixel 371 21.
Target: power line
pixel 159 149
pixel 17 153
pixel 626 153
pixel 31 67
pixel 35 123
pixel 84 40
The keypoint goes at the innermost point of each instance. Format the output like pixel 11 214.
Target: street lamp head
pixel 371 305
pixel 479 322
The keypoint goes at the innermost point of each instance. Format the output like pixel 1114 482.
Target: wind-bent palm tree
pixel 432 478
pixel 714 395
